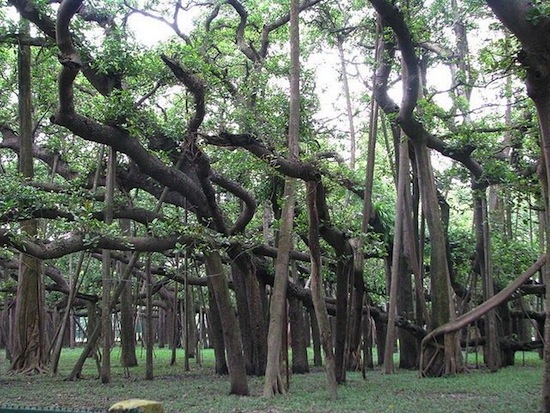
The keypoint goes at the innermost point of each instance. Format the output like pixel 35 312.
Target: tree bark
pixel 398 252
pixel 29 351
pixel 317 293
pixel 277 311
pixel 106 271
pixel 149 333
pixel 230 326
pixel 127 329
pixel 297 336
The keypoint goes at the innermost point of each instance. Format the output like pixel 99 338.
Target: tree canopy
pixel 394 153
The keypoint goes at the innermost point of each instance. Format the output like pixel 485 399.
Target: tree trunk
pixel 230 326
pixel 277 311
pixel 216 335
pixel 343 270
pixel 492 347
pixel 436 361
pixel 398 252
pixel 408 344
pixel 106 271
pixel 127 327
pixel 29 351
pixel 297 336
pixel 316 340
pixel 149 335
pixel 347 95
pixel 317 293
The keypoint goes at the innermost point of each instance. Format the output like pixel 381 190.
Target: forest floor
pixel 512 389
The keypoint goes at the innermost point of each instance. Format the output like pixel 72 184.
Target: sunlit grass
pixel 513 389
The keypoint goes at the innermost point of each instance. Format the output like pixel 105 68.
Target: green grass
pixel 513 389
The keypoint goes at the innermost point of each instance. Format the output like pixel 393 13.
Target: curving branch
pixel 104 84
pixel 196 86
pixel 392 17
pixel 78 241
pixel 477 312
pixel 68 56
pixel 249 202
pixel 298 169
pixel 416 130
pixel 248 50
pixel 10 140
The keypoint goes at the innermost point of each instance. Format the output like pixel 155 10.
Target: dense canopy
pixel 353 174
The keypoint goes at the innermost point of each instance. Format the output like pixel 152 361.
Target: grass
pixel 512 389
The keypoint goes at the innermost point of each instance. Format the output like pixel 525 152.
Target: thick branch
pixel 77 241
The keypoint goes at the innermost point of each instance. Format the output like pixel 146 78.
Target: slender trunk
pixel 149 335
pixel 187 312
pixel 402 183
pixel 343 269
pixel 316 340
pixel 73 288
pixel 492 348
pixel 347 95
pixel 317 293
pixel 106 324
pixel 542 103
pixel 127 327
pixel 273 382
pixel 277 311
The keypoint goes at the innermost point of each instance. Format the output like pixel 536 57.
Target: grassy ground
pixel 513 389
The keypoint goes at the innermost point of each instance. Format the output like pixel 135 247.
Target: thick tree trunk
pixel 230 326
pixel 29 351
pixel 216 335
pixel 297 336
pixel 442 358
pixel 243 314
pixel 250 311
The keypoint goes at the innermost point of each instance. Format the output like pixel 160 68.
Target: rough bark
pixel 29 352
pixel 127 330
pixel 230 326
pixel 398 251
pixel 277 311
pixel 106 272
pixel 317 292
pixel 535 57
pixel 297 336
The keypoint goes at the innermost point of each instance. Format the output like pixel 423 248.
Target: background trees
pixel 170 164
